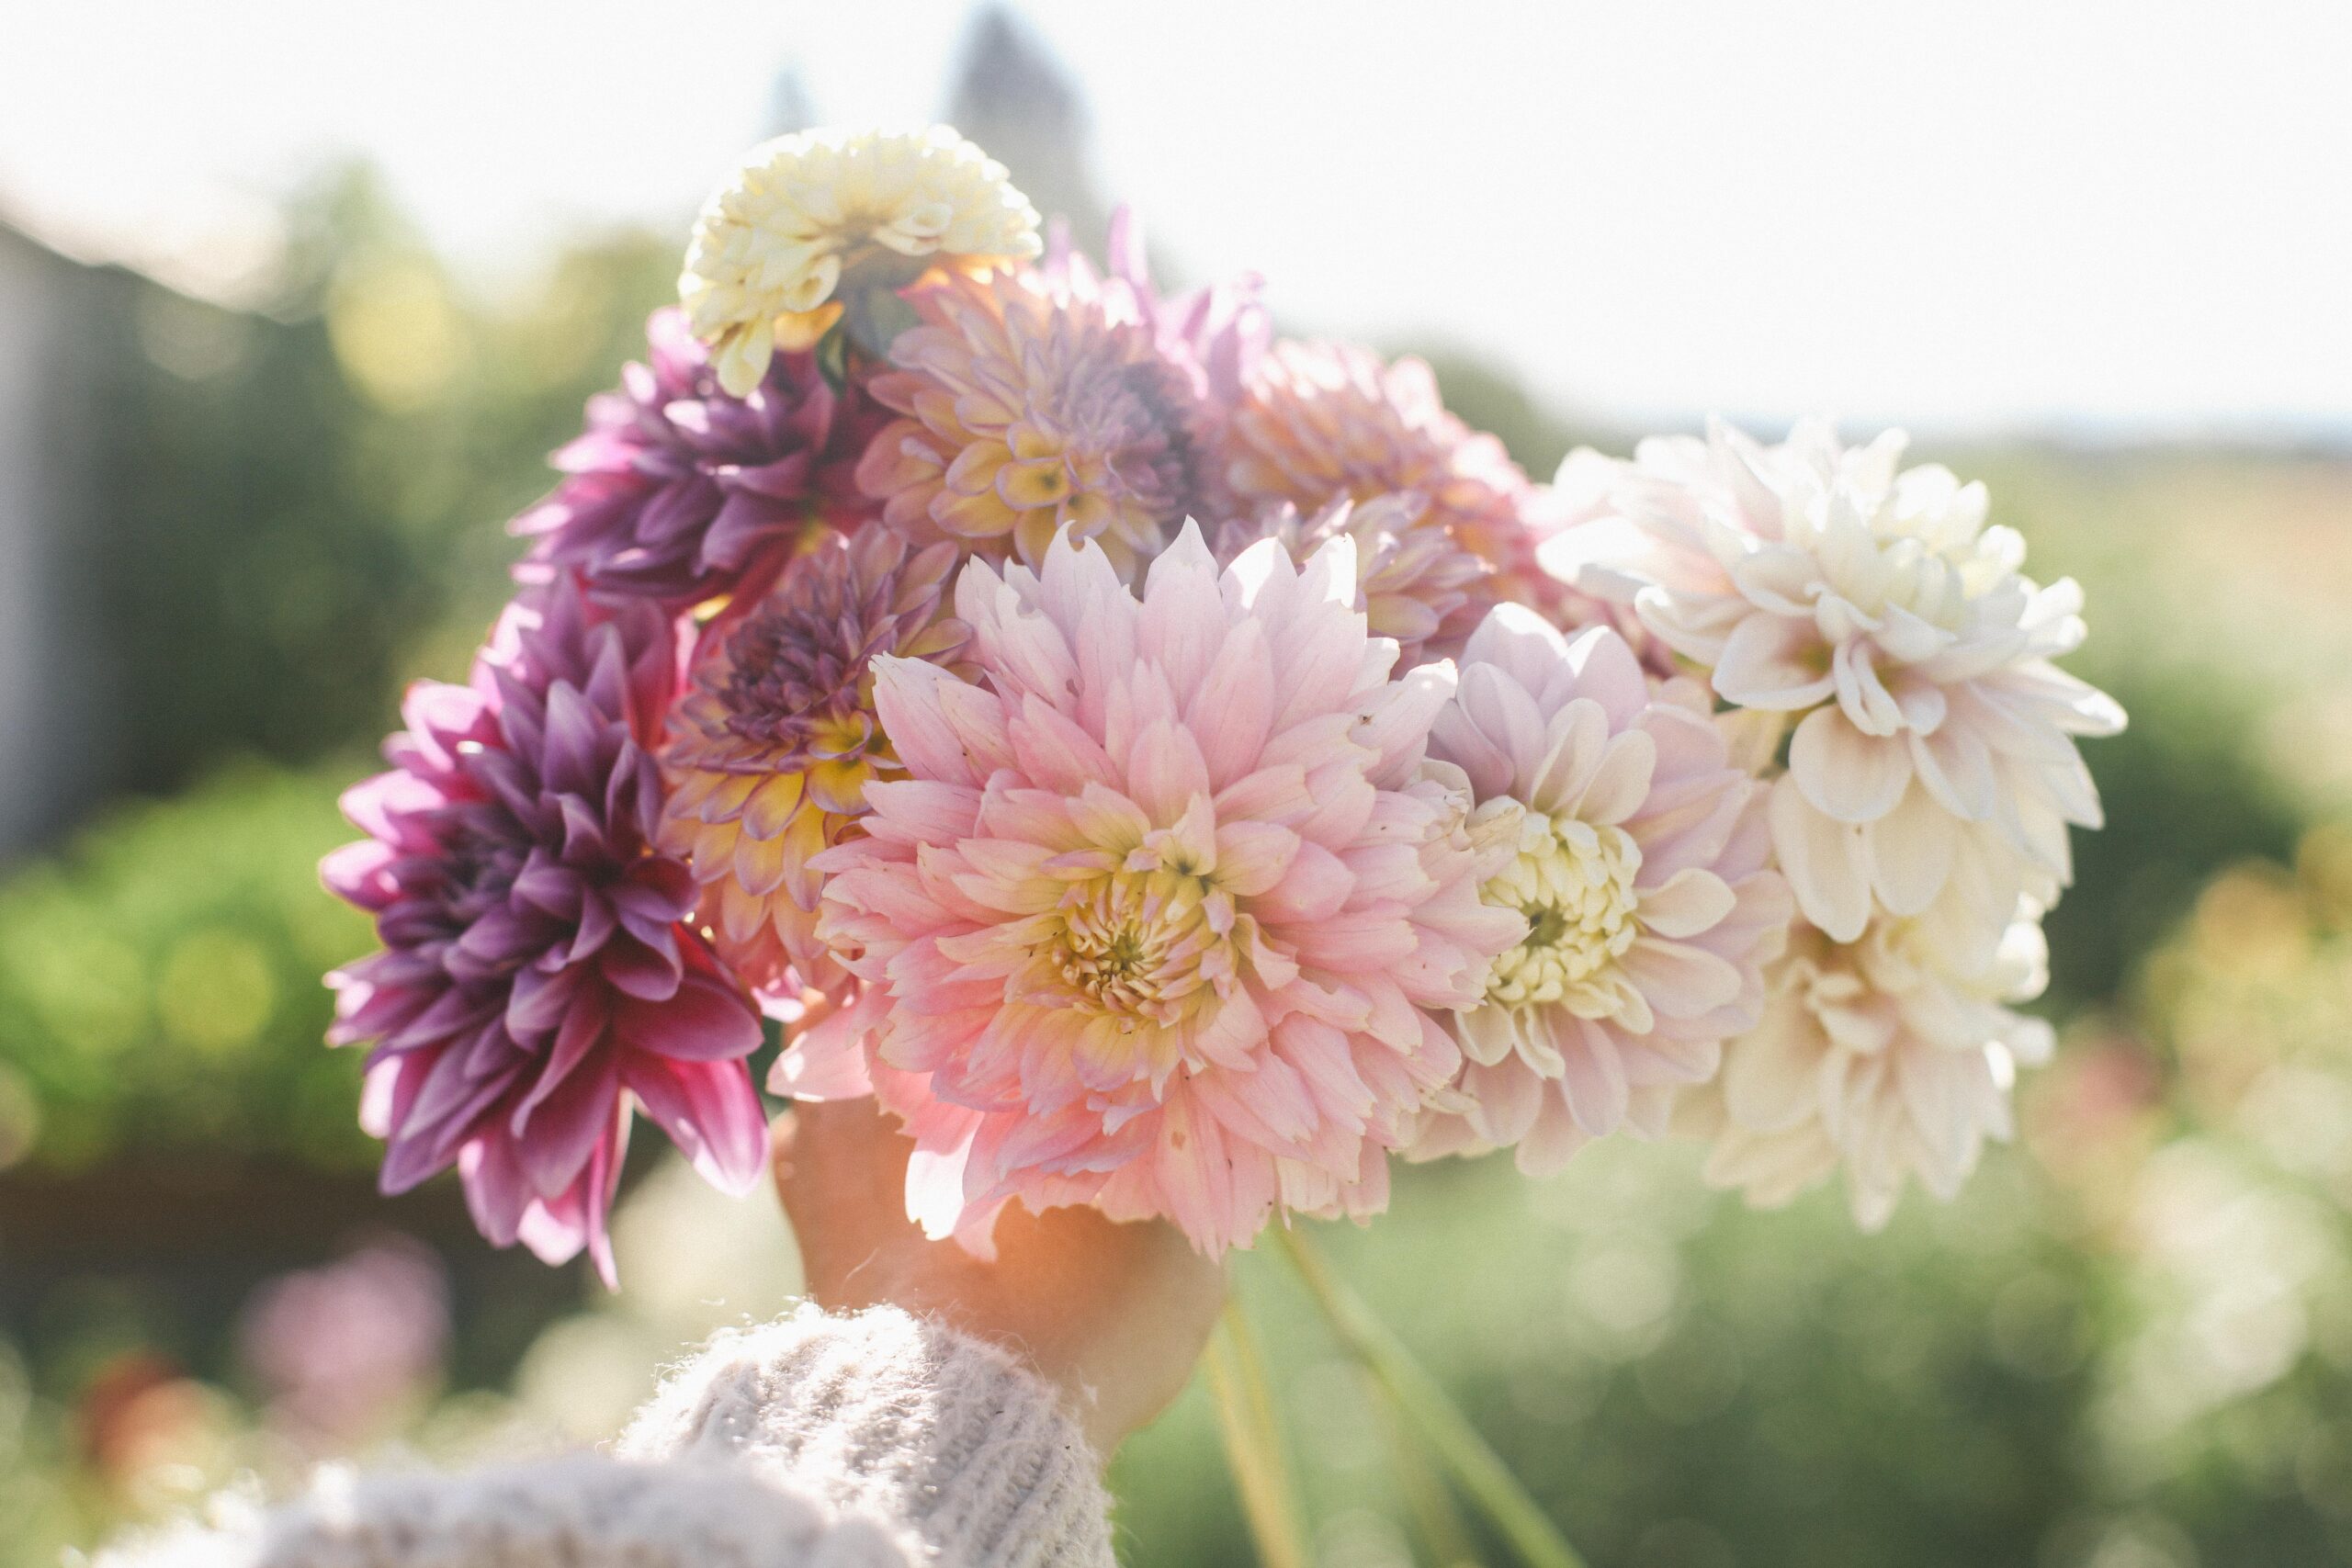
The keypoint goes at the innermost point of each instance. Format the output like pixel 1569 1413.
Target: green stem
pixel 1480 1472
pixel 1253 1445
pixel 1436 1520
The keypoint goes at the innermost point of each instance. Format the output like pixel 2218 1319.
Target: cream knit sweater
pixel 876 1441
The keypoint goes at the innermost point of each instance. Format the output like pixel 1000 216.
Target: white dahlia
pixel 1879 1056
pixel 1875 610
pixel 818 213
pixel 1618 828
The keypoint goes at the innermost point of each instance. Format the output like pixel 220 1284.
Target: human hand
pixel 1113 1315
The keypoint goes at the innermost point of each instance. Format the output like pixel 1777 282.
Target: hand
pixel 1113 1315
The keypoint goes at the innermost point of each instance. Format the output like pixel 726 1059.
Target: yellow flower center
pixel 1139 945
pixel 1575 884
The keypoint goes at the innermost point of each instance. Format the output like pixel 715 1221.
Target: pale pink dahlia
pixel 538 970
pixel 1153 923
pixel 1031 407
pixel 773 742
pixel 1890 1057
pixel 1216 334
pixel 1634 851
pixel 1319 422
pixel 677 489
pixel 1875 609
pixel 1414 584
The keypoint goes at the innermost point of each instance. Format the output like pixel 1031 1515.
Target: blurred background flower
pixel 261 421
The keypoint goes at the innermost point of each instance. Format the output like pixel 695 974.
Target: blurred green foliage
pixel 288 502
pixel 159 982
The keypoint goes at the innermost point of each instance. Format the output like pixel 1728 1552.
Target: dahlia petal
pixel 1622 781
pixel 1762 665
pixel 1824 860
pixel 1167 772
pixel 1592 1080
pixel 710 1111
pixel 1507 1098
pixel 1680 980
pixel 907 696
pixel 355 873
pixel 1576 739
pixel 1232 711
pixel 1846 774
pixel 497 1195
pixel 1520 643
pixel 1693 901
pixel 828 1061
pixel 1911 850
pixel 704 1020
pixel 553 1139
pixel 648 972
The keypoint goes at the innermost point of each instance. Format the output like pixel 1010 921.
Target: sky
pixel 2096 218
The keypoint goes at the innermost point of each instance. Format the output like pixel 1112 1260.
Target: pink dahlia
pixel 1414 584
pixel 676 489
pixel 1634 853
pixel 1153 923
pixel 1030 407
pixel 1319 422
pixel 773 742
pixel 538 973
pixel 1215 335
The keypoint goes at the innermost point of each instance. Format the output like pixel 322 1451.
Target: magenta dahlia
pixel 538 974
pixel 676 489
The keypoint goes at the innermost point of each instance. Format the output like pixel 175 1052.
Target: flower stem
pixel 1436 1520
pixel 1253 1443
pixel 1480 1472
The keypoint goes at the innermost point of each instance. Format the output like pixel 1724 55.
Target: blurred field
pixel 2129 1344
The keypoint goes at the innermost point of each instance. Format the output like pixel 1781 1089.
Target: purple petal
pixel 646 971
pixel 706 1021
pixel 554 1138
pixel 710 1111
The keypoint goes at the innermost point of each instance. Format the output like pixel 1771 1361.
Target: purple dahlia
pixel 538 971
pixel 676 489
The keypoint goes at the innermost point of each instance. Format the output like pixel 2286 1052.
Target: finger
pixel 840 1169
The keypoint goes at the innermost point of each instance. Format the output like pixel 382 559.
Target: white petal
pixel 1911 852
pixel 1844 772
pixel 1824 861
pixel 1763 665
pixel 1622 781
pixel 1692 902
pixel 1957 768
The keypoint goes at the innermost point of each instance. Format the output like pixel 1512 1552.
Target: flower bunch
pixel 1180 771
pixel 1867 616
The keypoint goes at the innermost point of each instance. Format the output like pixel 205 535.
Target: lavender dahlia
pixel 537 974
pixel 773 742
pixel 677 488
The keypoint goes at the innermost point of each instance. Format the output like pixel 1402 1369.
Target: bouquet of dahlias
pixel 1180 771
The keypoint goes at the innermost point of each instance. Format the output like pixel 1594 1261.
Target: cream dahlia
pixel 1030 407
pixel 1875 608
pixel 1319 422
pixel 1879 1057
pixel 775 740
pixel 1634 851
pixel 1414 584
pixel 1154 921
pixel 819 214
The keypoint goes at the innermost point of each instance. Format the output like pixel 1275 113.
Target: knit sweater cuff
pixel 897 1417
